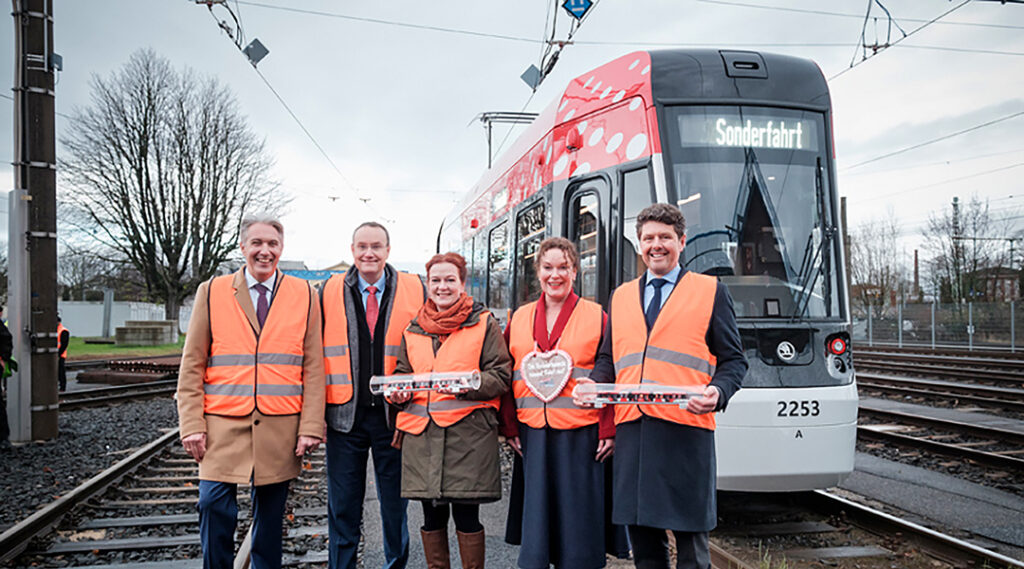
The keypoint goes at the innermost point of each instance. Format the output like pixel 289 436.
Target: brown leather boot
pixel 435 548
pixel 471 549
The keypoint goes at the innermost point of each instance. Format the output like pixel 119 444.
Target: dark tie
pixel 655 306
pixel 262 306
pixel 372 308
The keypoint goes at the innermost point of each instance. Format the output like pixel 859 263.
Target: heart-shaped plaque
pixel 546 373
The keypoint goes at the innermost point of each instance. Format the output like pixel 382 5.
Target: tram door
pixel 587 211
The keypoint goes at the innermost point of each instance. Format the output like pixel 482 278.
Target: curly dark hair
pixel 563 245
pixel 662 213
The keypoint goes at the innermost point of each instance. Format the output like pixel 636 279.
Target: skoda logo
pixel 786 351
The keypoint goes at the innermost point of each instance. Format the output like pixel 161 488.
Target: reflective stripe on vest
pixel 246 371
pixel 581 339
pixel 676 351
pixel 407 300
pixel 60 330
pixel 460 352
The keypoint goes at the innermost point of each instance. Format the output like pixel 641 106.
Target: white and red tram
pixel 741 142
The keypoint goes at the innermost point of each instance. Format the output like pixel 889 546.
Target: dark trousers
pixel 62 375
pixel 218 515
pixel 650 548
pixel 346 487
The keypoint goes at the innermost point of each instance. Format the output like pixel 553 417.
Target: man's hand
pixel 306 444
pixel 579 402
pixel 706 403
pixel 195 445
pixel 605 448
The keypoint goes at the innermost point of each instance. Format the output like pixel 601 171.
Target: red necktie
pixel 371 308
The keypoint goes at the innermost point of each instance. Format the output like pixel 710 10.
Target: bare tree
pixel 877 268
pixel 161 165
pixel 962 242
pixel 79 271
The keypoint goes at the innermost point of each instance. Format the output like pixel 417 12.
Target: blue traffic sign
pixel 577 8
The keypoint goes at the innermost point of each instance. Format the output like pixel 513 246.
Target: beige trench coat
pixel 258 447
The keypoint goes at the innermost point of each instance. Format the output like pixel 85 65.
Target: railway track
pixel 988 445
pixel 822 528
pixel 959 393
pixel 140 513
pixel 96 396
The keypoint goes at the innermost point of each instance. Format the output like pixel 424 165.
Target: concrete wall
pixel 85 318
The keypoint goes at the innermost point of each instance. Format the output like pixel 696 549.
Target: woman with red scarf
pixel 450 440
pixel 553 341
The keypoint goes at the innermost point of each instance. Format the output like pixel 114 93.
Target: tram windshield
pixel 753 186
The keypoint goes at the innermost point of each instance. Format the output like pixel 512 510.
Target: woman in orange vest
pixel 553 341
pixel 450 440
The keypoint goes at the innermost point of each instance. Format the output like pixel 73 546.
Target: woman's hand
pixel 400 397
pixel 605 448
pixel 514 443
pixel 579 402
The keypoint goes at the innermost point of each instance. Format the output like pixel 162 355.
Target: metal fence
pixel 972 325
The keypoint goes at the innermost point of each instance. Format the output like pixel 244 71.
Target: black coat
pixel 665 473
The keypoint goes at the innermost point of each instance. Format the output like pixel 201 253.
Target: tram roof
pixel 678 76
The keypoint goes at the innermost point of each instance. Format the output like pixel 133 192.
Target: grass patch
pixel 79 350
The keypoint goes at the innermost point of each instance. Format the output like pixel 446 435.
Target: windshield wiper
pixel 814 264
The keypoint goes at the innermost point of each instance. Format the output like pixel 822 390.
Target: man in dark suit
pixel 365 313
pixel 674 328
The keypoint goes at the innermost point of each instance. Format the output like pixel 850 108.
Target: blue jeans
pixel 347 454
pixel 218 515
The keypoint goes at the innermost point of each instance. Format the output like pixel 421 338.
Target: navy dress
pixel 558 507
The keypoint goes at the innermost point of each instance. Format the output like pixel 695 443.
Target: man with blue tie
pixel 673 328
pixel 364 313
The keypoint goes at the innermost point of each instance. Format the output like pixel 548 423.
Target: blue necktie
pixel 655 306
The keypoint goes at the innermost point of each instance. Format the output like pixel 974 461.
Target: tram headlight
pixel 837 355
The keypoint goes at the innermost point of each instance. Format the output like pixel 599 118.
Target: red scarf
pixel 444 322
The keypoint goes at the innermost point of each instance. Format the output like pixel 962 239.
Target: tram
pixel 742 143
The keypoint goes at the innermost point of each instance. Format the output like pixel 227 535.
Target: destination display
pixel 746 130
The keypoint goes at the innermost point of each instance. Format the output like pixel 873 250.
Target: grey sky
pixel 391 104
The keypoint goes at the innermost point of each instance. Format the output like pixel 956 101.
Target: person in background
pixel 251 394
pixel 64 338
pixel 365 313
pixel 6 349
pixel 674 328
pixel 450 440
pixel 562 445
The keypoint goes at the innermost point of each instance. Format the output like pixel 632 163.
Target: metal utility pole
pixel 502 117
pixel 32 391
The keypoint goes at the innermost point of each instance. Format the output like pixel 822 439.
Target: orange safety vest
pixel 250 370
pixel 405 304
pixel 460 352
pixel 581 339
pixel 674 353
pixel 60 330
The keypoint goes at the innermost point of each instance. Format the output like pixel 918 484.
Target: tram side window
pixel 637 194
pixel 478 272
pixel 529 234
pixel 584 234
pixel 498 265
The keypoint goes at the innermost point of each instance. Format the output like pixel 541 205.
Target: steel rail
pixel 1002 397
pixel 934 359
pixel 944 371
pixel 981 457
pixel 955 551
pixel 17 537
pixel 947 350
pixel 973 429
pixel 100 399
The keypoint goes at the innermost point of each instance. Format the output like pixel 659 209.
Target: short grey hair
pixel 250 219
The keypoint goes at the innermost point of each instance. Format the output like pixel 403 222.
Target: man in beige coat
pixel 251 404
